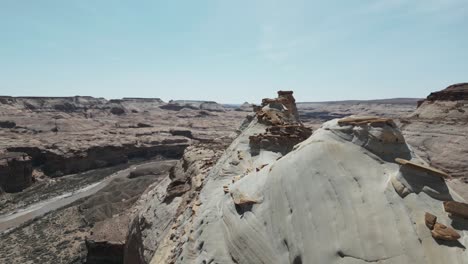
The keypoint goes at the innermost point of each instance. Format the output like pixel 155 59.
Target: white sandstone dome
pixel 331 200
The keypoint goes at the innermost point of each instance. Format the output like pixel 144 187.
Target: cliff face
pixel 334 198
pixel 15 171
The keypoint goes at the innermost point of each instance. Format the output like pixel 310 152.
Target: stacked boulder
pixel 284 130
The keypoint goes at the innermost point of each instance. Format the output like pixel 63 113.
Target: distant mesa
pixel 246 106
pixel 177 105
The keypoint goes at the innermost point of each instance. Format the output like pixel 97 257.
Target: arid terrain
pixel 138 180
pixel 68 164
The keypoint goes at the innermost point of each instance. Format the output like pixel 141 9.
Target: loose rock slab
pixel 456 209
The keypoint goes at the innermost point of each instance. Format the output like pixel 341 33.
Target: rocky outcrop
pixel 177 106
pixel 163 215
pixel 57 163
pixel 455 92
pixel 279 111
pixel 284 129
pixel 15 171
pixel 211 106
pixel 280 138
pixel 81 104
pixel 107 241
pixel 194 105
pixel 61 104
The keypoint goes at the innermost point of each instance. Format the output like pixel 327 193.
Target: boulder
pixel 456 209
pixel 430 220
pixel 443 232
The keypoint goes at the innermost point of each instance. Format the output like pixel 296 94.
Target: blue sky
pixel 232 51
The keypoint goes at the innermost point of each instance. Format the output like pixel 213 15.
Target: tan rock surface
pixel 456 209
pixel 430 220
pixel 443 232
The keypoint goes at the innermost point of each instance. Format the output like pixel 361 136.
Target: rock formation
pixel 163 215
pixel 333 198
pixel 15 171
pixel 455 92
pixel 194 105
pixel 285 129
pixel 438 132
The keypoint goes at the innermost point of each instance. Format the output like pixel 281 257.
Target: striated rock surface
pixel 333 199
pixel 279 138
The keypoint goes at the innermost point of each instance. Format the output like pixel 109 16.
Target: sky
pixel 232 51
